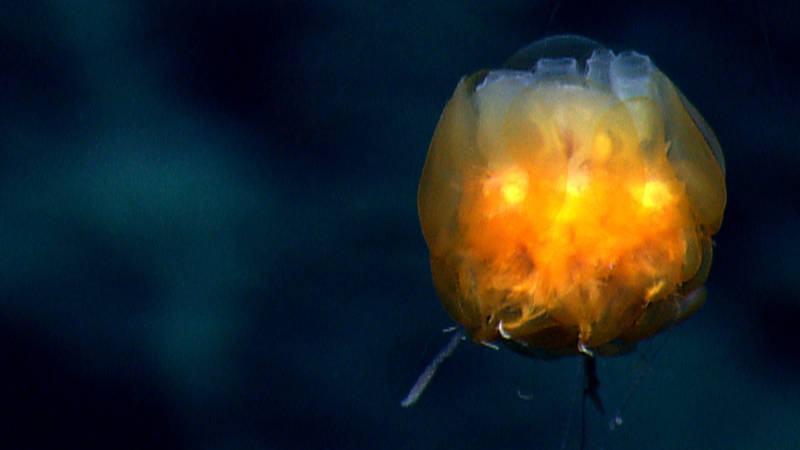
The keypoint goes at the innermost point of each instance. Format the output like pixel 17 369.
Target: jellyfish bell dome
pixel 568 201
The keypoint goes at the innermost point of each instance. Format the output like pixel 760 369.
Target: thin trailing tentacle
pixel 426 376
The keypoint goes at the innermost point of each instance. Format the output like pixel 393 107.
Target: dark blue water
pixel 209 236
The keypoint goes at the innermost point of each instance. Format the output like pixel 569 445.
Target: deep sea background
pixel 209 237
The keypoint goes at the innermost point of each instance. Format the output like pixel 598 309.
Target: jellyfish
pixel 568 200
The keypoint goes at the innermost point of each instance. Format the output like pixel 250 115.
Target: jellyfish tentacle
pixel 427 375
